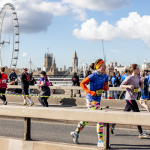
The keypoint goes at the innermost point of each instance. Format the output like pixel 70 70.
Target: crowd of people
pixel 95 84
pixel 25 79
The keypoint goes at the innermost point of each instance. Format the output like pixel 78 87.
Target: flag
pixel 48 48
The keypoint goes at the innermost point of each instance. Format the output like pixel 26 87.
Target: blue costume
pixel 97 81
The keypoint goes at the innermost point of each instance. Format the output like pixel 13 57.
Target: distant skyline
pixel 68 25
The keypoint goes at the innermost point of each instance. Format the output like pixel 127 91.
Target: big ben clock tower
pixel 75 62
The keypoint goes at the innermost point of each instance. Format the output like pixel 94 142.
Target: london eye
pixel 9 7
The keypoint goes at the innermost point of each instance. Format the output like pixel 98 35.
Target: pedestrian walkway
pixel 122 139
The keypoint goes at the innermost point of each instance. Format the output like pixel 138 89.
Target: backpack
pixel 27 77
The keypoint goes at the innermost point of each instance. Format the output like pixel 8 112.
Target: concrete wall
pixel 18 144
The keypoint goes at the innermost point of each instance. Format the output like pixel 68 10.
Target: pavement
pixel 123 139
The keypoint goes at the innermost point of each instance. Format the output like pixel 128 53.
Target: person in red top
pixel 3 85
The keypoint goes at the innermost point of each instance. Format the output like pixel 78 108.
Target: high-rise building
pixel 75 62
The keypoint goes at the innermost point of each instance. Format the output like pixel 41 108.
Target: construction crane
pixel 103 51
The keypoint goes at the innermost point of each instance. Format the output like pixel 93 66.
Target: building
pixel 110 68
pixel 146 65
pixel 54 70
pixel 121 69
pixel 75 63
pixel 48 60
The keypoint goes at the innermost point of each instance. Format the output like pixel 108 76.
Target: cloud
pixel 24 55
pixel 36 15
pixel 75 25
pixel 108 13
pixel 132 27
pixel 98 5
pixel 33 16
pixel 79 6
pixel 116 51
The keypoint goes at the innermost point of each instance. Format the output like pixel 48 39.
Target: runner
pixel 144 92
pixel 132 84
pixel 98 82
pixel 45 90
pixel 3 85
pixel 25 78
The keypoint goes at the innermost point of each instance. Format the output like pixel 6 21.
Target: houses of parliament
pixel 51 68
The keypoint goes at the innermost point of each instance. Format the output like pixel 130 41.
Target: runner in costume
pixel 132 84
pixel 97 83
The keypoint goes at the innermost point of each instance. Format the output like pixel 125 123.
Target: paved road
pixel 122 139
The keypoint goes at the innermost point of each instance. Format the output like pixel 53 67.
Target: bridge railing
pixel 71 88
pixel 132 118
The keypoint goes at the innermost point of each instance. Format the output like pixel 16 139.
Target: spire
pixel 75 53
pixel 54 59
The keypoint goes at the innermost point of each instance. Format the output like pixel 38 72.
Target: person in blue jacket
pixel 114 83
pixel 125 75
pixel 144 92
pixel 147 75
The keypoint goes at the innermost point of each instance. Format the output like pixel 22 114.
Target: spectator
pixel 51 90
pixel 88 73
pixel 118 82
pixel 116 72
pixel 45 90
pixel 125 75
pixel 12 76
pixel 114 83
pixel 32 80
pixel 147 75
pixel 144 92
pixel 75 81
pixel 25 78
pixel 3 85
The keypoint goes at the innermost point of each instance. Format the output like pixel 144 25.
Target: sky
pixel 64 26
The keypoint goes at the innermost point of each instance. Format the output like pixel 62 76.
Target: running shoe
pixel 24 104
pixel 100 144
pixel 112 128
pixel 5 103
pixel 75 137
pixel 144 134
pixel 31 104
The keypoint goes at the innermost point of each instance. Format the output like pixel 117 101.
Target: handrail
pixel 65 87
pixel 104 116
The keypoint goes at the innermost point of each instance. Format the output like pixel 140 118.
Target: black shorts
pixel 25 89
